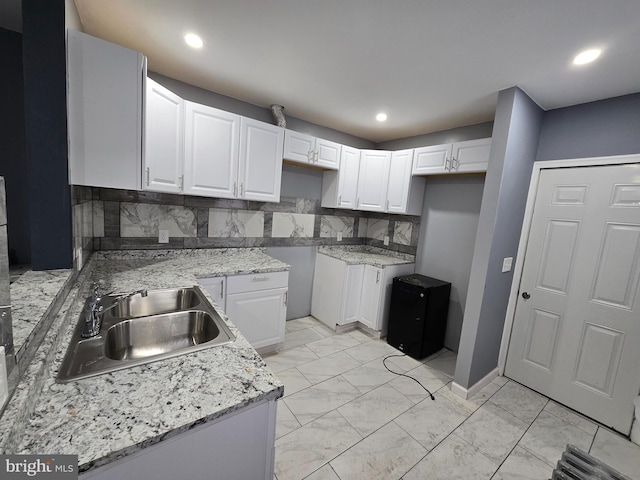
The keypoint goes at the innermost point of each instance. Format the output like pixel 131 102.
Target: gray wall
pixel 603 128
pixel 516 132
pixel 216 100
pixel 448 228
pixel 469 132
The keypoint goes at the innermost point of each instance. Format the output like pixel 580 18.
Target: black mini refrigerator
pixel 418 314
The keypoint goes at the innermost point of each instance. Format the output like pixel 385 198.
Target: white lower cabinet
pixel 344 294
pixel 237 446
pixel 256 304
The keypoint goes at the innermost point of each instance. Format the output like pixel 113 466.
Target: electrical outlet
pixel 339 236
pixel 506 264
pixel 163 236
pixel 4 387
pixel 386 240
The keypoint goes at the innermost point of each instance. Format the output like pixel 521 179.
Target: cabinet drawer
pixel 256 281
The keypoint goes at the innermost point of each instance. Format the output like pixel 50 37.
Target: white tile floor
pixel 345 417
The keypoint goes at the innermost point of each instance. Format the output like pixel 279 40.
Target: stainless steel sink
pixel 164 324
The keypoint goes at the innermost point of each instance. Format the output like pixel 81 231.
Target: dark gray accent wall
pixel 216 100
pixel 602 128
pixel 460 134
pixel 516 132
pixel 448 228
pixel 44 60
pixel 14 146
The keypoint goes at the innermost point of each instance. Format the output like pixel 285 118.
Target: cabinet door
pixel 373 180
pixel 327 154
pixel 399 181
pixel 163 146
pixel 471 156
pixel 348 177
pixel 260 167
pixel 215 287
pixel 370 298
pixel 352 294
pixel 299 147
pixel 259 315
pixel 104 95
pixel 212 139
pixel 433 160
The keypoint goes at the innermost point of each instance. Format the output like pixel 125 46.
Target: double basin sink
pixel 143 329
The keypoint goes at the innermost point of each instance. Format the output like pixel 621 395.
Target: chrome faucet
pixel 95 310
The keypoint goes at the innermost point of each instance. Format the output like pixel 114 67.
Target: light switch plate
pixel 339 236
pixel 386 240
pixel 163 236
pixel 506 264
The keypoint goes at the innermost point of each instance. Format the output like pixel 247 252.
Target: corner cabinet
pixel 462 157
pixel 405 193
pixel 104 101
pixel 311 151
pixel 163 140
pixel 373 180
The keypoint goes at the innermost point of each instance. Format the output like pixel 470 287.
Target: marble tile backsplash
pixel 83 224
pixel 123 219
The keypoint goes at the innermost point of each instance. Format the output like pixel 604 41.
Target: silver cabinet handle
pixel 339 199
pixel 358 202
pixel 241 190
pixel 148 176
pixel 286 297
pixel 447 167
pixel 455 163
pixel 181 179
pixel 310 156
pixel 260 279
pixel 317 155
pixel 378 276
pixel 221 289
pixel 235 189
pixel 387 207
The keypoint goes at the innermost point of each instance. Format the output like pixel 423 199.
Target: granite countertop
pixel 113 415
pixel 367 255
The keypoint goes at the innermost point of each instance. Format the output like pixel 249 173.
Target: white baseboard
pixel 476 387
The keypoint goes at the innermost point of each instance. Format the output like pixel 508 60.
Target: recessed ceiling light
pixel 381 117
pixel 193 40
pixel 587 56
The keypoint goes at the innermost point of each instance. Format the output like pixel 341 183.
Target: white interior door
pixel 576 331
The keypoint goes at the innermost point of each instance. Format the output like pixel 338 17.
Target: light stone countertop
pixel 117 414
pixel 366 255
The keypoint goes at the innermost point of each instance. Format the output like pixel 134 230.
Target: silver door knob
pixel 526 295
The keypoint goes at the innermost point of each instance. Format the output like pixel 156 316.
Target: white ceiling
pixel 429 64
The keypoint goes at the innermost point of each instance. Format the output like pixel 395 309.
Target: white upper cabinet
pixel 373 180
pixel 404 193
pixel 104 95
pixel 260 166
pixel 471 156
pixel 211 151
pixel 433 160
pixel 311 151
pixel 163 140
pixel 339 188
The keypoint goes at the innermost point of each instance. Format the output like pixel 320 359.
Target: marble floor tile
pixel 333 344
pixel 359 335
pixel 453 459
pixel 519 401
pixel 365 352
pixel 445 362
pixel 313 402
pixel 617 452
pixel 521 465
pixel 289 359
pixel 324 473
pixel 493 431
pixel 324 330
pixel 500 380
pixel 326 367
pixel 431 379
pixel 301 324
pixel 402 363
pixel 369 376
pixel 301 337
pixel 286 422
pixel 571 417
pixel 475 402
pixel 308 448
pixel 370 411
pixel 548 436
pixel 430 421
pixel 386 454
pixel 293 380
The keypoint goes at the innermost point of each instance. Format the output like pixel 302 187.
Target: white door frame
pixel 526 227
